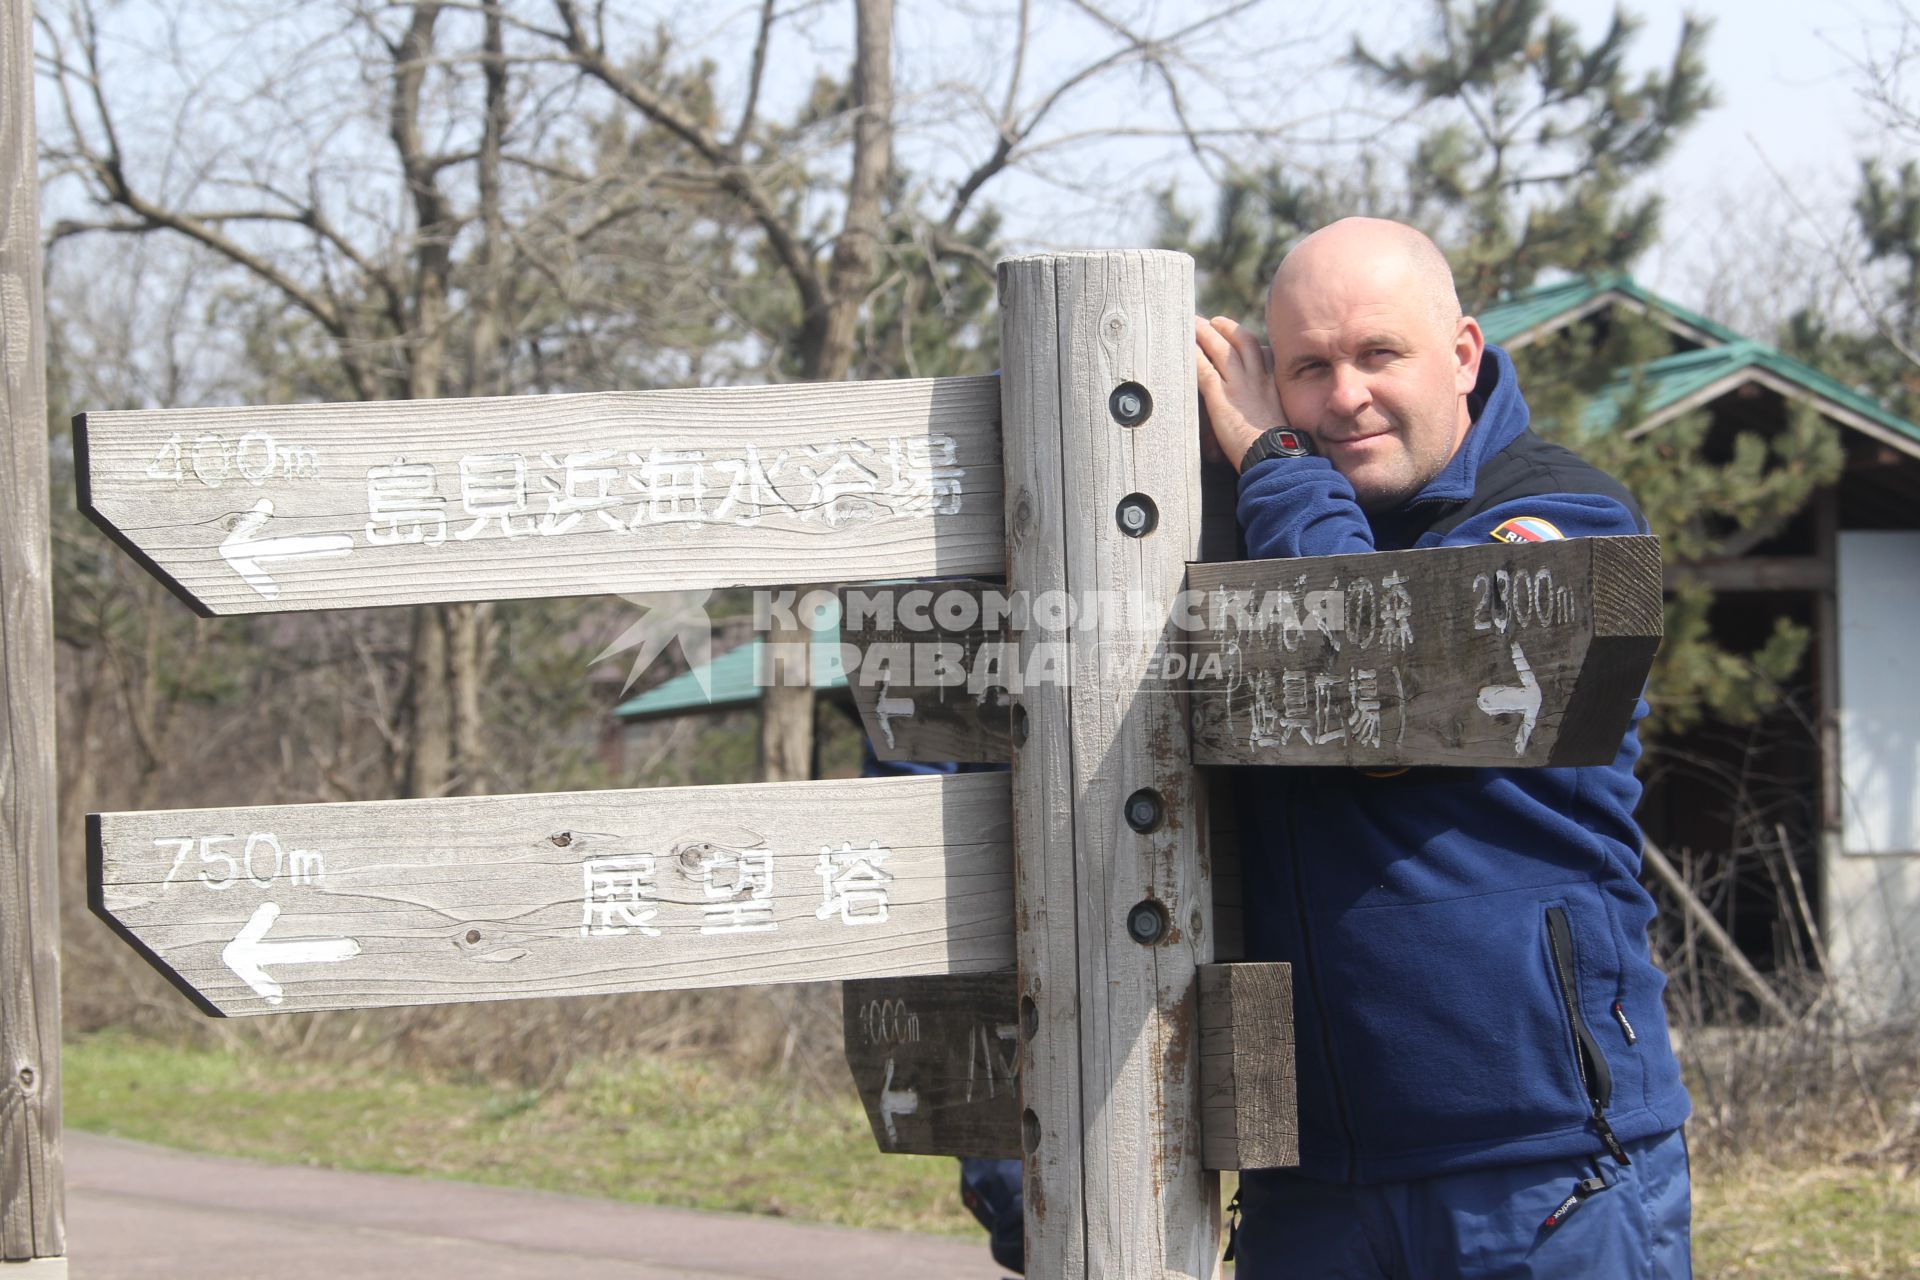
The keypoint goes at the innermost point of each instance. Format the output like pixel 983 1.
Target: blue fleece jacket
pixel 1472 984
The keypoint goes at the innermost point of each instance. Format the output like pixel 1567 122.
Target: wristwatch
pixel 1278 442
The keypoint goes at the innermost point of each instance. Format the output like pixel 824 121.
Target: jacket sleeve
pixel 1300 507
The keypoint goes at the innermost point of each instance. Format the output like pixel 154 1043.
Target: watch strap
pixel 1278 442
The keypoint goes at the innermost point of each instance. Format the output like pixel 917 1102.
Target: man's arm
pixel 1288 506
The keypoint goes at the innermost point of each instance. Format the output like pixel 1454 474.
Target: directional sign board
pixel 1487 655
pixel 937 1063
pixel 286 908
pixel 325 506
pixel 1532 654
pixel 939 628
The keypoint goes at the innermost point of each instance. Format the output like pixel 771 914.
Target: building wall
pixel 1872 862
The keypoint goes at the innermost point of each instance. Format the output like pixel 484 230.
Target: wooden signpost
pixel 1066 1003
pixel 937 1062
pixel 286 908
pixel 1483 655
pixel 934 679
pixel 340 506
pixel 1480 655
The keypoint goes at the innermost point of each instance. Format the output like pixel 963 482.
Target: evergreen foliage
pixel 1257 216
pixel 1528 145
pixel 1534 138
pixel 1881 358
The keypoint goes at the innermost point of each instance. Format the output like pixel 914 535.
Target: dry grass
pixel 1757 1218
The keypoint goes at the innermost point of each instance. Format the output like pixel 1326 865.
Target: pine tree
pixel 1528 145
pixel 1535 138
pixel 1257 216
pixel 1883 357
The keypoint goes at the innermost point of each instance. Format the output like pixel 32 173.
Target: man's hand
pixel 1237 395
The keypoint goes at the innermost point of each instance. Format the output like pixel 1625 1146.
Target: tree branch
pixel 794 258
pixel 760 42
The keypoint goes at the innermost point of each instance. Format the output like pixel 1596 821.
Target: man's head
pixel 1372 356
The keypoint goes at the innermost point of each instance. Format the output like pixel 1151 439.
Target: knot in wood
pixel 27 1079
pixel 563 839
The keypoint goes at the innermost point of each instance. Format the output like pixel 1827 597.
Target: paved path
pixel 136 1212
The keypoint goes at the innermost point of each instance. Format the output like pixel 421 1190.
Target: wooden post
pixel 32 1208
pixel 1109 1027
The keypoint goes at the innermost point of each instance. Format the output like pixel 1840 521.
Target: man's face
pixel 1365 365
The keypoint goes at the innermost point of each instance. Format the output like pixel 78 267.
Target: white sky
pixel 1789 111
pixel 1753 190
pixel 1737 238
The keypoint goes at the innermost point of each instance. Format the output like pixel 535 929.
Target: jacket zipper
pixel 1313 978
pixel 1595 1076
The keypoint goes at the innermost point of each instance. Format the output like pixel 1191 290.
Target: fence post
pixel 32 1208
pixel 1100 422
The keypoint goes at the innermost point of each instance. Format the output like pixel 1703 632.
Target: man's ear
pixel 1469 344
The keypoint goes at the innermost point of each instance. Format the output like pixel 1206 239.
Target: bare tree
pixel 378 285
pixel 884 236
pixel 450 229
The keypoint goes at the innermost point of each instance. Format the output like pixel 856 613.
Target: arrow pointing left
pixel 249 952
pixel 895 1102
pixel 887 710
pixel 244 552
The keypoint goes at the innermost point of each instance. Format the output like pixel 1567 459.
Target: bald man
pixel 1486 1083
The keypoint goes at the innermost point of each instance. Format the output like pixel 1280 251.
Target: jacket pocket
pixel 1595 1076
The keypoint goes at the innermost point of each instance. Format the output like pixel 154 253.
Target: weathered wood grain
pixel 937 1064
pixel 32 1199
pixel 928 690
pixel 1249 1104
pixel 1486 655
pixel 328 506
pixel 1281 687
pixel 343 906
pixel 1221 839
pixel 1114 1182
pixel 1046 932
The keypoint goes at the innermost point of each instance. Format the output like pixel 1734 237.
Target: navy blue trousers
pixel 1489 1224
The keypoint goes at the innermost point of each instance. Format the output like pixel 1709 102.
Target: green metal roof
pixel 730 678
pixel 1670 380
pixel 1524 312
pixel 1666 382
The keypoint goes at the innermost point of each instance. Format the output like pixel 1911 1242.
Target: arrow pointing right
pixel 244 551
pixel 1522 700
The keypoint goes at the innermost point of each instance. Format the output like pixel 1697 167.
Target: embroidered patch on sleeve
pixel 1527 529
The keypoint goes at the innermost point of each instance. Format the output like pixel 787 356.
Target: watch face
pixel 1279 442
